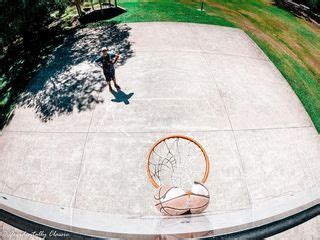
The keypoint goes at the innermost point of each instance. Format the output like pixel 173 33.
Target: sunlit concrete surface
pixel 73 144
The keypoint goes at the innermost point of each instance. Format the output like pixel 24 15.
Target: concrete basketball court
pixel 80 166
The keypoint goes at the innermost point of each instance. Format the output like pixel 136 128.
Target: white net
pixel 178 162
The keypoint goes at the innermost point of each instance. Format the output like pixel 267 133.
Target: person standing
pixel 107 61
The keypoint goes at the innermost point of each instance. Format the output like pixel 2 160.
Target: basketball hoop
pixel 178 166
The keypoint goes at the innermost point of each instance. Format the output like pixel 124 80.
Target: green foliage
pixel 61 5
pixel 24 30
pixel 5 96
pixel 20 18
pixel 313 4
pixel 3 84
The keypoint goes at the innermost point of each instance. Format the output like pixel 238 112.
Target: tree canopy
pixel 24 24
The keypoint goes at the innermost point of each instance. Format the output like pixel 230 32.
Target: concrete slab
pixel 226 179
pixel 97 182
pixel 157 115
pixel 226 41
pixel 26 120
pixel 104 167
pixel 43 167
pixel 164 75
pixel 278 156
pixel 75 152
pixel 255 95
pixel 162 37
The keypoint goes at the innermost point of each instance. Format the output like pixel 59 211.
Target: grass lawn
pixel 291 43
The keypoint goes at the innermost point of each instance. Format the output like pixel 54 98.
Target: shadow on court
pixel 70 81
pixel 120 96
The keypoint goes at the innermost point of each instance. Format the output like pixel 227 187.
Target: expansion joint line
pixel 240 162
pixel 82 163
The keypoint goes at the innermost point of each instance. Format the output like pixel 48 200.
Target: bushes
pixel 5 97
pixel 24 31
pixel 314 5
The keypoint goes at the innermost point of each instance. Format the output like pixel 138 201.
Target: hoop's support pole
pixel 202 6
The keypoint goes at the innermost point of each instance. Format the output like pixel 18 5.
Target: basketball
pixel 175 201
pixel 171 201
pixel 174 165
pixel 199 198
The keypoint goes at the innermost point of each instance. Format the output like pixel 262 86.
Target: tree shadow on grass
pixel 70 81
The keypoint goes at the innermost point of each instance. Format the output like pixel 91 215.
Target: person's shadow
pixel 120 96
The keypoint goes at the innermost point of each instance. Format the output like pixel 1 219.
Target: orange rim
pixel 206 174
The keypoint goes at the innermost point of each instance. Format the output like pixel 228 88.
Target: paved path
pixel 75 148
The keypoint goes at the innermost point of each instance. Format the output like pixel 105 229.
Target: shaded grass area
pixel 292 44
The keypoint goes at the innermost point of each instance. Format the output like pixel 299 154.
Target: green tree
pixel 24 24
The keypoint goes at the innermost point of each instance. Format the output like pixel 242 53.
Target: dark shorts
pixel 109 75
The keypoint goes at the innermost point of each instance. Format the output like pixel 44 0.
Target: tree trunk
pixel 78 6
pixel 1 46
pixel 92 5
